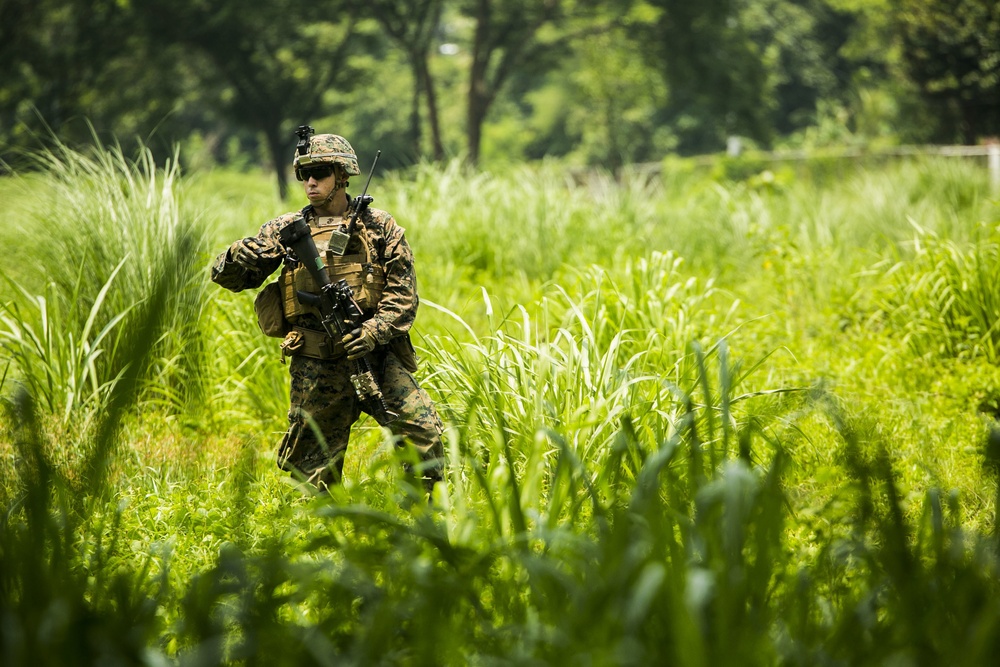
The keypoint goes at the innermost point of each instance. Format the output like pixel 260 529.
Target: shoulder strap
pixel 365 241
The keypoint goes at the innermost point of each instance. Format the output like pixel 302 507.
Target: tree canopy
pixel 951 51
pixel 593 81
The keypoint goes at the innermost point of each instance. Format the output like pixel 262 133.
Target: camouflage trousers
pixel 324 406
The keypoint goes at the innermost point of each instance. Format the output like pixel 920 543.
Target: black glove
pixel 358 343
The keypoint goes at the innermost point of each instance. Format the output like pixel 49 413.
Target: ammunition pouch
pixel 366 280
pixel 363 275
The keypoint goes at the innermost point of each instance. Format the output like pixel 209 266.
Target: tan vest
pixel 366 278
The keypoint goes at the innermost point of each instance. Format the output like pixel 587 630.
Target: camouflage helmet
pixel 327 149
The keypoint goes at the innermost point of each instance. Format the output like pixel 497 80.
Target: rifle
pixel 340 313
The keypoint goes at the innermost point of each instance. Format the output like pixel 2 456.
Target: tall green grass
pixel 943 299
pixel 67 594
pixel 108 228
pixel 656 553
pixel 681 429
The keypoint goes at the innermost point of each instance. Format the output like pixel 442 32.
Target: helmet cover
pixel 327 149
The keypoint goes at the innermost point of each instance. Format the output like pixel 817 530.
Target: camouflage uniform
pixel 324 404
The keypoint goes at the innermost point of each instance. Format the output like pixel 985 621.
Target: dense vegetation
pixel 595 82
pixel 712 415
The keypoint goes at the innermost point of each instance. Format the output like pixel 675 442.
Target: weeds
pixel 117 230
pixel 944 300
pixel 620 467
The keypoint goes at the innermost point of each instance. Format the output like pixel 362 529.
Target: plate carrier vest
pixel 365 277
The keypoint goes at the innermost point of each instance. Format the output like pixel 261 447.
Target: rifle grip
pixel 307 298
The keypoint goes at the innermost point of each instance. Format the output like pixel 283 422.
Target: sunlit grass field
pixel 740 414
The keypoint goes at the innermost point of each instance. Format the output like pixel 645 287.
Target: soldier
pixel 377 262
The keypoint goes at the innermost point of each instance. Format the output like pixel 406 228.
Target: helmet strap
pixel 340 182
pixel 340 177
pixel 338 185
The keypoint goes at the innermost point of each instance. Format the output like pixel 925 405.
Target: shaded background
pixel 595 82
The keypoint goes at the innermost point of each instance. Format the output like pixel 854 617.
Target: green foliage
pixel 498 81
pixel 65 600
pixel 111 228
pixel 69 67
pixel 519 222
pixel 714 92
pixel 413 26
pixel 697 438
pixel 66 591
pixel 614 108
pixel 943 299
pixel 251 387
pixel 800 47
pixel 273 82
pixel 55 368
pixel 738 168
pixel 951 50
pixel 580 370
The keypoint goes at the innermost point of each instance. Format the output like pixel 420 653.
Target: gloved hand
pixel 358 343
pixel 250 251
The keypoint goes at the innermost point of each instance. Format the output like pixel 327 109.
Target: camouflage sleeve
pixel 398 307
pixel 236 278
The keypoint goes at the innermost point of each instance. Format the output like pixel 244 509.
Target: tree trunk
pixel 275 147
pixel 437 147
pixel 478 103
pixel 415 130
pixel 614 153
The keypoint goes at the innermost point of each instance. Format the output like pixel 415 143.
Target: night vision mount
pixel 304 132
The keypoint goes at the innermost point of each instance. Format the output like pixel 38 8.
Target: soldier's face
pixel 318 182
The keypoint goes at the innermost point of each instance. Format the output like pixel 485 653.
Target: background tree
pixel 76 68
pixel 799 42
pixel 412 25
pixel 714 70
pixel 951 50
pixel 512 36
pixel 597 81
pixel 273 67
pixel 616 111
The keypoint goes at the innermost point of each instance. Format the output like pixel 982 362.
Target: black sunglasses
pixel 319 173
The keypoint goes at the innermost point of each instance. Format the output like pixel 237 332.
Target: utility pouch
pixel 270 314
pixel 310 343
pixel 402 347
